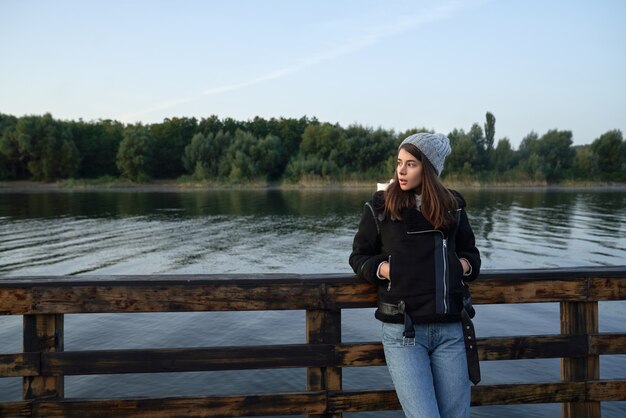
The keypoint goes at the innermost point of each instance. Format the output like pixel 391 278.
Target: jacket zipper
pixel 389 285
pixel 445 263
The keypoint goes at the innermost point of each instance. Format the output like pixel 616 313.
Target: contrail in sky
pixel 373 36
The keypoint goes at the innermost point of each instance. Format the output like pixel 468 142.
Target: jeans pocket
pixel 392 334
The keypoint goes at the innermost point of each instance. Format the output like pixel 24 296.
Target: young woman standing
pixel 415 244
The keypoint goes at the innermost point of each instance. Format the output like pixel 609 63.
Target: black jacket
pixel 426 273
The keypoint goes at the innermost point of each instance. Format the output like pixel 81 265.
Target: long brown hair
pixel 438 203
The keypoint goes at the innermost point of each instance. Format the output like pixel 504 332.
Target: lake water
pixel 272 231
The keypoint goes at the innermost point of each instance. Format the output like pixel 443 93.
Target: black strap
pixel 471 350
pixel 409 330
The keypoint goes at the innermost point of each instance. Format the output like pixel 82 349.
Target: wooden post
pixel 43 333
pixel 580 318
pixel 323 327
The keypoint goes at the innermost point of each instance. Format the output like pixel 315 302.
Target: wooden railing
pixel 43 363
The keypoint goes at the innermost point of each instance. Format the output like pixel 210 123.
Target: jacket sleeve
pixel 366 249
pixel 466 246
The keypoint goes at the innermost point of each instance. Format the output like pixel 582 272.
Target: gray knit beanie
pixel 436 147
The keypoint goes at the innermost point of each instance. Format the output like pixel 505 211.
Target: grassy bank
pixel 183 184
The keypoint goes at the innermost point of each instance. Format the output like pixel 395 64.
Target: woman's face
pixel 409 170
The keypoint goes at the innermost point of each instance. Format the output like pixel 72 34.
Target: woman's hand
pixel 384 270
pixel 465 264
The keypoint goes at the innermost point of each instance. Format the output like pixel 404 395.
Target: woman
pixel 416 246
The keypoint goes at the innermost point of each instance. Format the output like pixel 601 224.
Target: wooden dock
pixel 43 363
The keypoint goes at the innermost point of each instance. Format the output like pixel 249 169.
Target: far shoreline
pixel 173 185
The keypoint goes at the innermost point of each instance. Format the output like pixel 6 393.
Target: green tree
pixel 503 156
pixel 490 133
pixel 463 155
pixel 557 154
pixel 583 162
pixel 170 139
pixel 46 146
pixel 490 130
pixel 324 152
pixel 134 157
pixel 238 164
pixel 97 142
pixel 608 158
pixel 203 155
pixel 12 166
pixel 529 157
pixel 323 139
pixel 368 151
pixel 480 161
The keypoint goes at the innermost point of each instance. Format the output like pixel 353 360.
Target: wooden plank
pixel 606 390
pixel 363 401
pixel 179 298
pixel 219 406
pixel 173 293
pixel 509 394
pixel 187 359
pixel 351 295
pixel 288 355
pixel 528 291
pixel 43 333
pixel 579 318
pixel 19 364
pixel 607 343
pixel 360 354
pixel 16 409
pixel 532 346
pixel 323 327
pixel 15 301
pixel 607 288
pixel 528 393
pixel 492 348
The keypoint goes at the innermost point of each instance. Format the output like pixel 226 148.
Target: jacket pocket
pixel 411 274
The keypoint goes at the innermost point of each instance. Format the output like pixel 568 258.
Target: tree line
pixel 42 148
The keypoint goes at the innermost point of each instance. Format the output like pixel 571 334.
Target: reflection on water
pixel 282 231
pixel 246 231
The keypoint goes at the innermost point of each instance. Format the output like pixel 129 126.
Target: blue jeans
pixel 430 377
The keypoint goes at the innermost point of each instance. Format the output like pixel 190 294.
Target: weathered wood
pixel 606 390
pixel 218 406
pixel 607 288
pixel 360 354
pixel 16 409
pixel 607 343
pixel 277 356
pixel 528 393
pixel 187 359
pixel 43 363
pixel 381 400
pixel 492 348
pixel 20 364
pixel 323 327
pixel 179 298
pixel 154 297
pixel 43 333
pixel 528 291
pixel 150 293
pixel 580 319
pixel 363 401
pixel 15 301
pixel 532 346
pixel 351 295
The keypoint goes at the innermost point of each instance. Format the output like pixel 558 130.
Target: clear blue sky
pixel 536 65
